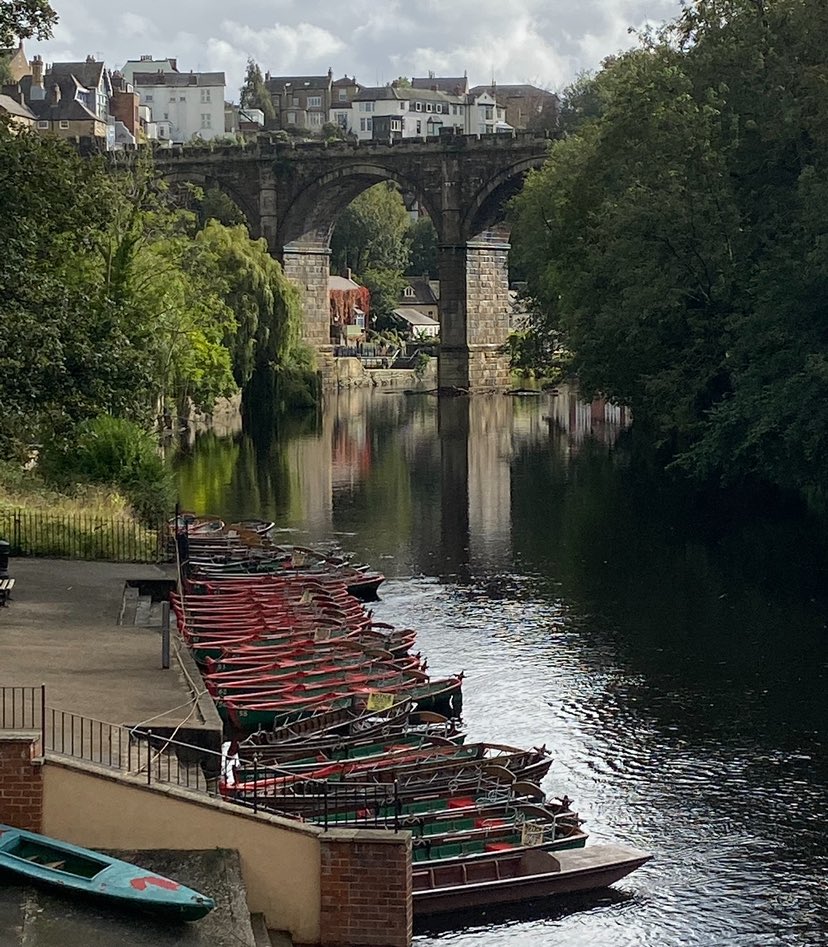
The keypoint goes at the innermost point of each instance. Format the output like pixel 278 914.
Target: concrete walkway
pixel 61 628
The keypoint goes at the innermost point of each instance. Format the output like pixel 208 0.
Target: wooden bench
pixel 6 586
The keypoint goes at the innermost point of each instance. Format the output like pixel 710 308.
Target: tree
pixel 422 241
pixel 675 239
pixel 264 302
pixel 386 287
pixel 22 19
pixel 254 93
pixel 371 232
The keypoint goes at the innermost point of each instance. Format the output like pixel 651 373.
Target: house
pixel 302 102
pixel 12 106
pixel 524 105
pixel 416 325
pixel 123 108
pixel 185 105
pixel 342 95
pixel 390 112
pixel 405 112
pixel 14 59
pixel 350 306
pixel 89 82
pixel 420 294
pixel 69 105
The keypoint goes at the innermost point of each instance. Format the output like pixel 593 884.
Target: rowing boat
pixel 43 860
pixel 508 877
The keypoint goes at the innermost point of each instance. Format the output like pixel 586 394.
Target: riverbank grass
pixel 85 522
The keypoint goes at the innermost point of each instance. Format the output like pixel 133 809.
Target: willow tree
pixel 265 336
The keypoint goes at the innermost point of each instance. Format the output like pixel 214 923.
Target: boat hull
pixel 534 875
pixel 41 860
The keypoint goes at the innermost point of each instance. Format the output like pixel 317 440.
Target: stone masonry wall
pixel 21 780
pixel 308 267
pixel 471 353
pixel 366 892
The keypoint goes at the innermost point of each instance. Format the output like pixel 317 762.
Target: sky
pixel 543 42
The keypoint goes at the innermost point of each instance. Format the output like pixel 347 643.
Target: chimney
pixel 53 97
pixel 146 58
pixel 330 72
pixel 90 58
pixel 36 65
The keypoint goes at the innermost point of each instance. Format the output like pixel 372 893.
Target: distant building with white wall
pixel 190 104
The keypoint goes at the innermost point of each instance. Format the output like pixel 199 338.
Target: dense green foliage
pixel 22 19
pixel 676 239
pixel 116 301
pixel 376 241
pixel 114 452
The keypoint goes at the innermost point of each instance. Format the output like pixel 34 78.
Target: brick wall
pixel 21 780
pixel 366 891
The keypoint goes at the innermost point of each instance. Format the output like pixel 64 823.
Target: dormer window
pixel 409 292
pixel 429 107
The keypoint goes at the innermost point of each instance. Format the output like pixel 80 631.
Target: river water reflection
pixel 676 662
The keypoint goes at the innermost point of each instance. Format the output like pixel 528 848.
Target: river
pixel 675 659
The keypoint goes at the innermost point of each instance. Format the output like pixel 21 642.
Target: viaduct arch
pixel 292 193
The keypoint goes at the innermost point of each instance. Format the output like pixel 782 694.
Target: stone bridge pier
pixel 293 192
pixel 474 312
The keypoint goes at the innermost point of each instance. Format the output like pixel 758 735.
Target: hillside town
pixel 149 101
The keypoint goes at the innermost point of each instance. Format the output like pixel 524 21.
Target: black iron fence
pixel 82 536
pixel 157 758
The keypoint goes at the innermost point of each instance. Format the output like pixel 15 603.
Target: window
pixel 315 119
pixel 366 124
pixel 291 118
pixel 166 116
pixel 488 113
pixel 172 98
pixel 429 107
pixel 343 95
pixel 205 95
pixel 396 125
pixel 314 101
pixel 148 97
pixel 438 107
pixel 366 106
pixel 206 120
pixel 64 124
pixel 418 106
pixel 295 101
pixel 419 128
pixel 402 106
pixel 182 98
pixel 409 292
pixel 42 124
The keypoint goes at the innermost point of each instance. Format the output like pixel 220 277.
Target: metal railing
pixel 81 536
pixel 156 758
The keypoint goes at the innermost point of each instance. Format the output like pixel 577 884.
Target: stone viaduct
pixel 293 192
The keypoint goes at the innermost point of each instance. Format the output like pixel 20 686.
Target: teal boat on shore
pixel 42 860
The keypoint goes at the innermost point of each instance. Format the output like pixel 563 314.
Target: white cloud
pixel 546 42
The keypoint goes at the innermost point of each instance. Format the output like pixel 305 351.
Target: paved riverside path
pixel 61 628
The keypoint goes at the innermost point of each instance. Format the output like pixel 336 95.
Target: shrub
pixel 114 451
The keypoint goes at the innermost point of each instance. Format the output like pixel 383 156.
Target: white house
pixel 390 112
pixel 191 104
